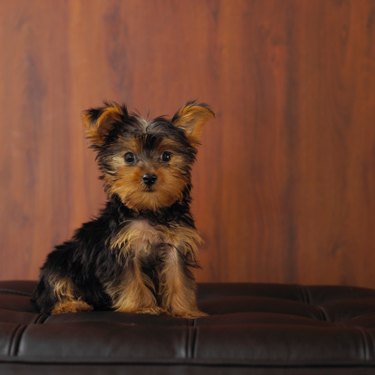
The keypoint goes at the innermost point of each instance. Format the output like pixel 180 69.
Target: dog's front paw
pixel 190 314
pixel 152 310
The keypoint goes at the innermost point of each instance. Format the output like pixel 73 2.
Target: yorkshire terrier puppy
pixel 137 255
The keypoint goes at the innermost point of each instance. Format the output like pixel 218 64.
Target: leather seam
pixel 325 316
pixel 11 339
pixel 40 318
pixel 306 295
pixel 366 341
pixel 188 343
pixel 15 339
pixel 18 340
pixel 194 342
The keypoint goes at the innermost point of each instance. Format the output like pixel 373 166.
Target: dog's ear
pixel 99 121
pixel 191 118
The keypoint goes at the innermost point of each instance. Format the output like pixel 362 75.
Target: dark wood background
pixel 284 188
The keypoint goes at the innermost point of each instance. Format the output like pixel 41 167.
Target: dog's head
pixel 147 164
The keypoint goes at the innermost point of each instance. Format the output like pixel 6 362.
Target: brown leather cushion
pixel 268 328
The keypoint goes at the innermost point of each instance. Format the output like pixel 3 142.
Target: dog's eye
pixel 130 158
pixel 166 156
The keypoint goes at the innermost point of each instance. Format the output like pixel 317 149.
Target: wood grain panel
pixel 284 183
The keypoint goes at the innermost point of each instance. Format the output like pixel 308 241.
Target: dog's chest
pixel 141 237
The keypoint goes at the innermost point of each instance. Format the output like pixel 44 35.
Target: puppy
pixel 137 255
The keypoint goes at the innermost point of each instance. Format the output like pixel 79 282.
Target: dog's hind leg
pixel 67 299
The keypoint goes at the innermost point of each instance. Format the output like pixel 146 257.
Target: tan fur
pixel 67 301
pixel 177 291
pixel 192 118
pixel 128 144
pixel 63 288
pixel 140 236
pixel 126 182
pixel 97 131
pixel 70 306
pixel 134 294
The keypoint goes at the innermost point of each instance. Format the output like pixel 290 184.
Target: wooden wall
pixel 284 188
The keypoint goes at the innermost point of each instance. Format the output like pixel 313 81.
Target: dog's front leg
pixel 134 294
pixel 177 286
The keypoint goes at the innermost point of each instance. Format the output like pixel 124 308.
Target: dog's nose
pixel 149 179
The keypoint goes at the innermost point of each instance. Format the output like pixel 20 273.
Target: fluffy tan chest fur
pixel 141 237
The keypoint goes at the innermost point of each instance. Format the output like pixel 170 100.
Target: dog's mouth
pixel 149 189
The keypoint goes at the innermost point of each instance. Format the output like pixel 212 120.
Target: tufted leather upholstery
pixel 251 329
